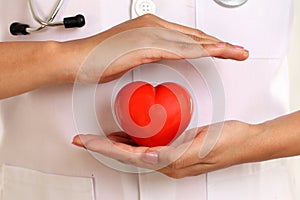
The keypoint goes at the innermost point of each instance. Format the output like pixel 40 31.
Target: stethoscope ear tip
pixel 17 28
pixel 74 22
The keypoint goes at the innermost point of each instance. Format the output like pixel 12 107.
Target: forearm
pixel 277 138
pixel 284 135
pixel 26 66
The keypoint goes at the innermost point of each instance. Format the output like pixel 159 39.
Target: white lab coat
pixel 35 146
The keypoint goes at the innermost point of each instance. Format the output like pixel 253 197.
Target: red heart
pixel 153 116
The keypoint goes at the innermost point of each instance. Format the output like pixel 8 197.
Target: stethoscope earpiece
pixel 230 3
pixel 74 22
pixel 78 21
pixel 17 28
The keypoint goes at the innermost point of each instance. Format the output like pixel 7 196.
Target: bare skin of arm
pixel 239 143
pixel 26 66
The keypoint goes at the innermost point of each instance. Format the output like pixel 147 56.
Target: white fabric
pixel 20 183
pixel 261 26
pixel 255 90
pixel 43 119
pixel 268 180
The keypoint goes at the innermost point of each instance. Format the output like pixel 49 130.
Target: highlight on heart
pixel 153 116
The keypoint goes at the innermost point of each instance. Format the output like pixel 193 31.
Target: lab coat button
pixel 144 7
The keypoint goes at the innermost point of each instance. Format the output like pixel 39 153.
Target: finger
pixel 183 155
pixel 186 30
pixel 78 141
pixel 193 170
pixel 97 143
pixel 121 137
pixel 203 40
pixel 226 51
pixel 175 45
pixel 201 37
pixel 179 157
pixel 119 151
pixel 173 157
pixel 155 45
pixel 120 53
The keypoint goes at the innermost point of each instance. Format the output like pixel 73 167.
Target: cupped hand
pixel 148 39
pixel 142 40
pixel 236 143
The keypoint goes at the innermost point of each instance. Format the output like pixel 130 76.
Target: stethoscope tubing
pixel 17 28
pixel 49 20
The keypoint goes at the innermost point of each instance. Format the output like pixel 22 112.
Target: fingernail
pixel 77 141
pixel 150 157
pixel 220 44
pixel 239 47
pixel 246 52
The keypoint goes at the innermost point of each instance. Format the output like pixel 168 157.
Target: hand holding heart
pixel 239 143
pixel 186 43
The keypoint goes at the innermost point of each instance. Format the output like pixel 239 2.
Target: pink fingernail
pixel 239 47
pixel 220 44
pixel 150 157
pixel 77 141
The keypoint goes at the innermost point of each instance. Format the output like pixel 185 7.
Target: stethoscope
pixel 230 3
pixel 17 28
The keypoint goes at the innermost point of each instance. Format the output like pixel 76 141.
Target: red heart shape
pixel 153 116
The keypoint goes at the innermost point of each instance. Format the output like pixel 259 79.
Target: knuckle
pixel 148 17
pixel 185 46
pixel 173 166
pixel 175 175
pixel 179 163
pixel 149 40
pixel 131 160
pixel 198 32
pixel 222 49
pixel 151 20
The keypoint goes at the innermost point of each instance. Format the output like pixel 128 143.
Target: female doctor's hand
pixel 233 146
pixel 149 38
pixel 236 143
pixel 26 66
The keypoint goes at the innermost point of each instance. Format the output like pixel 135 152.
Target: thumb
pixel 84 140
pixel 77 141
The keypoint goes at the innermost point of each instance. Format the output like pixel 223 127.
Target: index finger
pixel 119 151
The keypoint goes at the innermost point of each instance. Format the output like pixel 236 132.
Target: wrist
pixel 74 53
pixel 282 136
pixel 69 56
pixel 255 148
pixel 271 139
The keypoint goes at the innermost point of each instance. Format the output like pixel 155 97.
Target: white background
pixel 294 64
pixel 294 59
